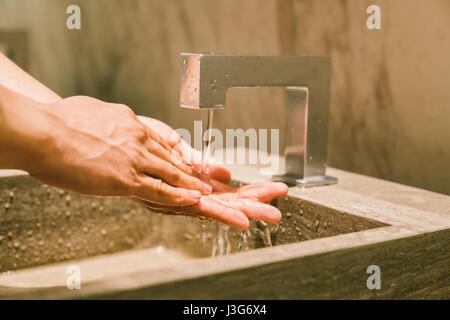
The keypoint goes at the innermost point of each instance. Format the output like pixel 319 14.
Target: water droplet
pixel 68 199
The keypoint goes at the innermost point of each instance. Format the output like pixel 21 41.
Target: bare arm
pixel 92 147
pixel 89 146
pixel 14 78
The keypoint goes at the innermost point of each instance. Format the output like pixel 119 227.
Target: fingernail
pixel 195 194
pixel 207 187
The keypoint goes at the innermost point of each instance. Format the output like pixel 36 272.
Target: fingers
pixel 221 187
pixel 165 132
pixel 157 191
pixel 169 156
pixel 153 135
pixel 256 210
pixel 168 210
pixel 210 208
pixel 263 192
pixel 156 167
pixel 216 172
pixel 220 173
pixel 172 142
pixel 228 214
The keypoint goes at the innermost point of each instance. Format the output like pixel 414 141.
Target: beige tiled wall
pixel 390 99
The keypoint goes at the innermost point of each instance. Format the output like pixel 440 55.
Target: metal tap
pixel 205 79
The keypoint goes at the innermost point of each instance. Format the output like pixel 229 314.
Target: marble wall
pixel 390 97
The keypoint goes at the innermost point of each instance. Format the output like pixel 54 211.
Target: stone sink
pixel 322 249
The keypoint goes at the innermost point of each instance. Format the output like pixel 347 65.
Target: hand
pixel 230 205
pixel 233 206
pixel 190 155
pixel 100 148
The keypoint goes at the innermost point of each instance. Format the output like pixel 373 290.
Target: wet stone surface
pixel 40 224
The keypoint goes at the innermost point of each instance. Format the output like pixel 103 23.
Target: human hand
pixel 100 148
pixel 233 206
pixel 189 154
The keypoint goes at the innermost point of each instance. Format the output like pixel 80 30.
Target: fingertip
pixel 241 221
pixel 281 187
pixel 207 188
pixel 275 216
pixel 221 174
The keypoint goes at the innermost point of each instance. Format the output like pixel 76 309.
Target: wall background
pixel 390 98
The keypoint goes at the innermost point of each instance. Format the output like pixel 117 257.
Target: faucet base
pixel 313 181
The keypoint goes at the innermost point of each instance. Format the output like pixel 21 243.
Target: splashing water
pixel 222 245
pixel 264 232
pixel 243 241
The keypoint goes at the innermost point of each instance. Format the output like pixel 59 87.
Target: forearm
pixel 23 132
pixel 14 78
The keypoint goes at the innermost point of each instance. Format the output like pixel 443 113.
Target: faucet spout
pixel 205 79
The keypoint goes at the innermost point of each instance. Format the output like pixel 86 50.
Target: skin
pixel 233 206
pixel 97 148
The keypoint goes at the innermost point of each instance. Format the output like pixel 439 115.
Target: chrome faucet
pixel 205 79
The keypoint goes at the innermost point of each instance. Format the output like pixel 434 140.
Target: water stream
pixel 207 121
pixel 221 244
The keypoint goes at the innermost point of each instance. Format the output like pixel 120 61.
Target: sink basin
pixel 327 235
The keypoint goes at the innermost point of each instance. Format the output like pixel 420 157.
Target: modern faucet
pixel 205 79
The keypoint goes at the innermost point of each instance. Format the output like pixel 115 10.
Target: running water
pixel 221 244
pixel 207 121
pixel 243 241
